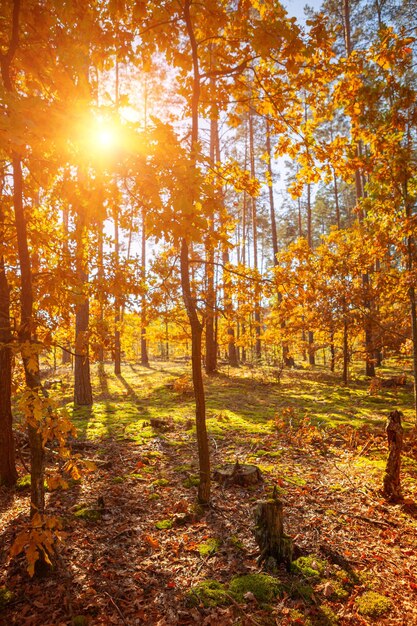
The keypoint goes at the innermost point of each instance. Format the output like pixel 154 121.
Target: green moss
pixel 118 479
pixel 164 524
pixel 339 593
pixel 236 542
pixel 183 468
pixel 80 620
pixel 90 515
pixel 23 483
pixel 327 617
pixel 373 604
pixel 209 592
pixel 208 547
pixel 296 616
pixel 191 481
pixel 154 496
pixel 268 453
pixel 308 566
pixel 160 482
pixel 6 597
pixel 264 587
pixel 301 590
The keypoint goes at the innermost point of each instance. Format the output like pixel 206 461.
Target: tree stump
pixel 394 429
pixel 269 532
pixel 237 474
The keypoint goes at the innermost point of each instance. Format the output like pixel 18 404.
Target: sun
pixel 106 137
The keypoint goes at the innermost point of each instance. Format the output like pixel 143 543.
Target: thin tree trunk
pixel 100 278
pixel 117 306
pixel 83 394
pixel 195 324
pixel 211 348
pixel 310 334
pixel 285 347
pixel 257 312
pixel 66 355
pixel 336 199
pixel 8 473
pixel 332 352
pixel 144 359
pixel 345 375
pixel 27 328
pixel 359 187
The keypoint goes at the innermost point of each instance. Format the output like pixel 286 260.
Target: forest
pixel 208 313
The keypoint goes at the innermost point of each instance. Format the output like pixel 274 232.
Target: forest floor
pixel 144 558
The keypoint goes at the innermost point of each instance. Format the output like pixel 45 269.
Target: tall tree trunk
pixel 332 351
pixel 285 348
pixel 411 291
pixel 83 394
pixel 66 354
pixel 8 474
pixel 310 334
pixel 27 328
pixel 100 278
pixel 27 339
pixel 345 375
pixel 359 187
pixel 336 200
pixel 144 359
pixel 189 301
pixel 257 312
pixel 211 348
pixel 117 305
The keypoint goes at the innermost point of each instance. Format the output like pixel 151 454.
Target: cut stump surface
pixel 237 474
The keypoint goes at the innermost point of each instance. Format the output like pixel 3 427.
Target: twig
pixel 117 608
pixel 21 458
pixel 350 480
pixel 370 520
pixel 203 562
pixel 237 605
pixel 67 582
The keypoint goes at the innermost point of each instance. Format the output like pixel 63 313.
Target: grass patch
pixel 123 405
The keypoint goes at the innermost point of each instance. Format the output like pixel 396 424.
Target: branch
pixel 238 69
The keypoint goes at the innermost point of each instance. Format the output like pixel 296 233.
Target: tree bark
pixel 83 394
pixel 288 360
pixel 269 532
pixel 392 481
pixel 66 354
pixel 345 375
pixel 211 348
pixel 8 473
pixel 195 324
pixel 117 304
pixel 144 358
pixel 257 312
pixel 200 406
pixel 27 327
